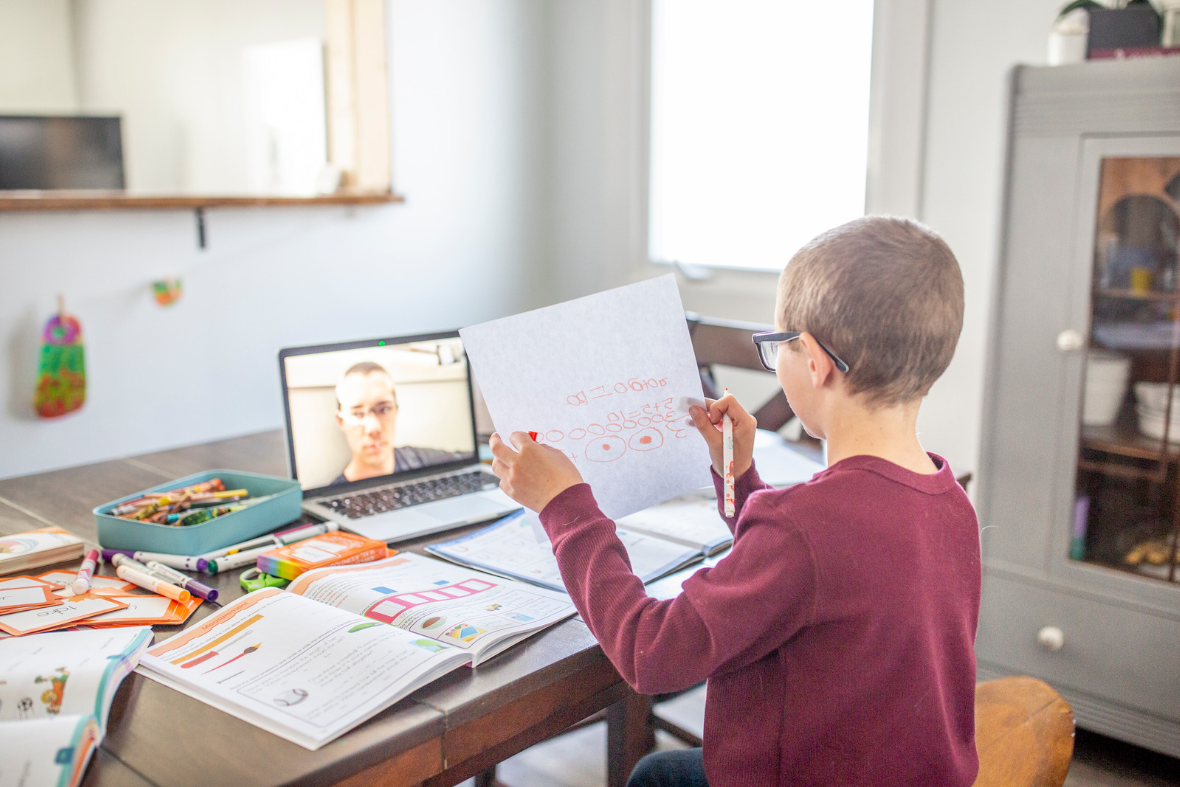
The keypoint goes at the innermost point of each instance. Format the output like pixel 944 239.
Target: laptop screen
pixel 375 409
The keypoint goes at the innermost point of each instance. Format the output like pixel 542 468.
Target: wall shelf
pixel 114 200
pixel 1124 439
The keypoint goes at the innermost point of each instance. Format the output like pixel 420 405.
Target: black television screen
pixel 60 152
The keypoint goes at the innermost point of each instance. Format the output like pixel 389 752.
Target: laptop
pixel 381 436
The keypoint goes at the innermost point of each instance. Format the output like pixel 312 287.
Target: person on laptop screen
pixel 366 412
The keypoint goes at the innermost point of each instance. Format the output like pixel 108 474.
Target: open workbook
pixel 55 694
pixel 659 540
pixel 311 662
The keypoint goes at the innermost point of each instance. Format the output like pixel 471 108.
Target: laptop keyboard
pixel 378 501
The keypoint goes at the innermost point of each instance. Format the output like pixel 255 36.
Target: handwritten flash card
pixel 602 378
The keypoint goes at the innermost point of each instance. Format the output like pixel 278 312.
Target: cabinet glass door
pixel 1127 505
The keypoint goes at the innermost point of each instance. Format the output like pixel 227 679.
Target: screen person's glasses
pixel 382 411
pixel 768 342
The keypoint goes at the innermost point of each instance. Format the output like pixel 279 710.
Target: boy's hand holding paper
pixel 530 473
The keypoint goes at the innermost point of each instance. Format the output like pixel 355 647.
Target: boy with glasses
pixel 837 636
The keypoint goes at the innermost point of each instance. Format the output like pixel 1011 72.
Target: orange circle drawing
pixel 605 449
pixel 646 439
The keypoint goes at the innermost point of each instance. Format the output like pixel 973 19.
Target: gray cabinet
pixel 1079 495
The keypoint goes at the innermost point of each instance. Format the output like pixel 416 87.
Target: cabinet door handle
pixel 1070 341
pixel 1051 638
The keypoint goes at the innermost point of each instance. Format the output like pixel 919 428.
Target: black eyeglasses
pixel 768 342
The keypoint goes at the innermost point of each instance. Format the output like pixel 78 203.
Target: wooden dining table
pixel 456 728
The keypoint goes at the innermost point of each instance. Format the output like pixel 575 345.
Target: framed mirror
pixel 192 103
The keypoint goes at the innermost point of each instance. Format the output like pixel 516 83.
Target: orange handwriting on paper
pixel 642 428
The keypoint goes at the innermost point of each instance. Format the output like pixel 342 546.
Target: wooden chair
pixel 727 343
pixel 1023 733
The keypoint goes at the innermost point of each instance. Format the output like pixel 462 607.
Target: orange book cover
pixel 329 549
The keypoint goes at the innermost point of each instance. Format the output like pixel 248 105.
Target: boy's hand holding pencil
pixel 533 474
pixel 710 422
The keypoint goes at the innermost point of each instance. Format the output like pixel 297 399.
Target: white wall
pixel 972 48
pixel 36 57
pixel 468 97
pixel 951 180
pixel 174 71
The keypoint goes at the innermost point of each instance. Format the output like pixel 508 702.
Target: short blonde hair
pixel 884 294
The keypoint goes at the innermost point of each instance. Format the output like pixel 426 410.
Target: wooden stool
pixel 1023 732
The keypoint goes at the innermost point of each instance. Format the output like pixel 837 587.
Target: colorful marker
pixel 727 460
pixel 123 560
pixel 175 577
pixel 247 557
pixel 274 539
pixel 533 436
pixel 152 583
pixel 173 561
pixel 82 583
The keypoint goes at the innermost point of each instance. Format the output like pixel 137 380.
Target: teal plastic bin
pixel 118 533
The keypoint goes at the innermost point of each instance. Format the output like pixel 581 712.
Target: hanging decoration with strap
pixel 61 379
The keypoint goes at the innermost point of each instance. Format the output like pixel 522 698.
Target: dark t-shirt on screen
pixel 409 457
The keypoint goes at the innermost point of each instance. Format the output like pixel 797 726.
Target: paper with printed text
pixel 601 378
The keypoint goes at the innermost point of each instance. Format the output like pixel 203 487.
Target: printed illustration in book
pixel 55 693
pixel 342 643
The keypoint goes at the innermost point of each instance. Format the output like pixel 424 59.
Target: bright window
pixel 760 114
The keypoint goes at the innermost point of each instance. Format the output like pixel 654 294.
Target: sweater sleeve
pixel 729 615
pixel 747 483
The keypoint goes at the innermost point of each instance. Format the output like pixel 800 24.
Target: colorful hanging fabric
pixel 61 379
pixel 166 291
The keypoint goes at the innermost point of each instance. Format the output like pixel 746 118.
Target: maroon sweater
pixel 837 635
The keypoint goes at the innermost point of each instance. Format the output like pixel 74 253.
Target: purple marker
pixel 176 578
pixel 172 561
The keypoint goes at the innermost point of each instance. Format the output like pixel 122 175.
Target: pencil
pixel 727 460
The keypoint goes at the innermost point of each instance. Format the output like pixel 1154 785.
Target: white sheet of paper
pixel 779 464
pixel 601 378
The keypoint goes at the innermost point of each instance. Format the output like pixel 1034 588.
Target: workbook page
pixel 52 750
pixel 307 672
pixel 604 379
pixel 692 519
pixel 66 672
pixel 508 547
pixel 457 606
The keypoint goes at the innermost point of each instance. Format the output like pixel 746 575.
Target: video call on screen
pixel 374 411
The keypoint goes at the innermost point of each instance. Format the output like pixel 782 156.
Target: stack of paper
pixel 38 548
pixel 778 463
pixel 36 604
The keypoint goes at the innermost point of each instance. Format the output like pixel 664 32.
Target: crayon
pixel 82 583
pixel 131 507
pixel 213 485
pixel 153 583
pixel 173 561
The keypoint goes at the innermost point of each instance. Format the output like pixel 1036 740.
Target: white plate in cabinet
pixel 1106 650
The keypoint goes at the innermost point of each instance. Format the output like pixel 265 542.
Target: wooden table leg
pixel 629 736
